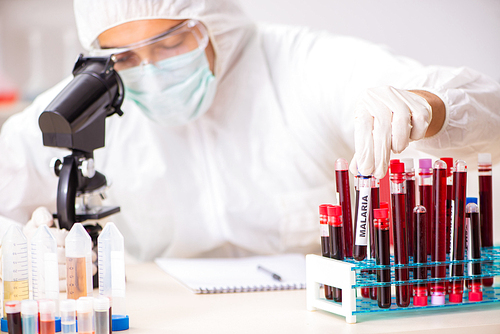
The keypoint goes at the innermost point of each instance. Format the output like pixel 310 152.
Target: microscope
pixel 75 119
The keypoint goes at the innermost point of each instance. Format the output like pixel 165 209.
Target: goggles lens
pixel 188 36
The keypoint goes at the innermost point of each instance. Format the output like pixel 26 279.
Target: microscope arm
pixel 66 192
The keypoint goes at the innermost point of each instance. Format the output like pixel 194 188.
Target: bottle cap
pixel 335 210
pixel 101 303
pixel 438 299
pixel 475 296
pixel 29 307
pixel 67 305
pixel 420 300
pixel 471 200
pixel 397 167
pixel 84 305
pixel 341 164
pixel 484 159
pixel 380 213
pixel 13 306
pixel 456 297
pixel 425 163
pixel 323 209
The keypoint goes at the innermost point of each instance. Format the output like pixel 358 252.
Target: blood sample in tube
pixel 426 196
pixel 363 217
pixel 383 255
pixel 13 311
pixel 336 241
pixel 438 254
pixel 449 199
pixel 485 204
pixel 325 240
pixel 410 201
pixel 342 182
pixel 420 255
pixel 473 251
pixel 373 246
pixel 400 235
pixel 458 250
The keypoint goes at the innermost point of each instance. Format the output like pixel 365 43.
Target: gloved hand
pixel 386 119
pixel 42 216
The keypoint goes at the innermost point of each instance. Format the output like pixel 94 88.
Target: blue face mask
pixel 173 91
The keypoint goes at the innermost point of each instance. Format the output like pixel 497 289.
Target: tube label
pixel 364 208
pixel 324 230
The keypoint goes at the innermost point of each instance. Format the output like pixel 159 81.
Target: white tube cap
pixel 484 159
pixel 101 304
pixel 29 307
pixel 67 305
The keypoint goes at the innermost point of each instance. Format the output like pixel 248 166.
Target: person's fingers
pixel 42 216
pixel 353 166
pixel 421 115
pixel 94 269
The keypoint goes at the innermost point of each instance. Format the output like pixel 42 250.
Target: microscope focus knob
pixel 87 168
pixel 56 165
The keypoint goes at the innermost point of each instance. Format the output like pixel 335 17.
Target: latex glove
pixel 386 119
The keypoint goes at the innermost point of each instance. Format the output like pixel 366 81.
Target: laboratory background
pixel 39 43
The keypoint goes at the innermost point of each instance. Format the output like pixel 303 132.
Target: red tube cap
pixel 397 167
pixel 420 300
pixel 380 213
pixel 335 210
pixel 456 297
pixel 475 296
pixel 323 209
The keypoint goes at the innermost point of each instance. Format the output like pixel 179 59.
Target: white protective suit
pixel 247 177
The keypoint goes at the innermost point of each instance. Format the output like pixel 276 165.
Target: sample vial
pixel 410 202
pixel 344 199
pixel 78 262
pixel 85 315
pixel 47 309
pixel 325 241
pixel 29 315
pixel 426 193
pixel 44 265
pixel 420 256
pixel 68 316
pixel 336 241
pixel 102 315
pixel 13 310
pixel 111 263
pixel 383 255
pixel 473 250
pixel 449 199
pixel 14 265
pixel 485 203
pixel 363 211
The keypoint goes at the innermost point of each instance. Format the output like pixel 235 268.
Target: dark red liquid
pixel 47 327
pixel 486 216
pixel 336 252
pixel 14 323
pixel 400 237
pixel 325 251
pixel 373 246
pixel 449 198
pixel 427 202
pixel 383 258
pixel 439 242
pixel 460 187
pixel 359 253
pixel 475 244
pixel 410 204
pixel 420 241
pixel 342 182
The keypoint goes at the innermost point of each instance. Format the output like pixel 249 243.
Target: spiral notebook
pixel 223 275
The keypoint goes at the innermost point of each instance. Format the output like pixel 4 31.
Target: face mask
pixel 173 91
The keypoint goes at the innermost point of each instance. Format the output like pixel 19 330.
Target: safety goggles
pixel 185 37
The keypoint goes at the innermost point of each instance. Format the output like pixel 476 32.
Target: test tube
pixel 426 193
pixel 485 204
pixel 68 316
pixel 336 241
pixel 325 240
pixel 44 265
pixel 342 182
pixel 438 254
pixel 78 262
pixel 383 255
pixel 111 263
pixel 85 315
pixel 420 255
pixel 410 201
pixel 450 193
pixel 400 234
pixel 363 217
pixel 14 266
pixel 29 316
pixel 13 311
pixel 102 315
pixel 373 246
pixel 458 238
pixel 47 309
pixel 473 251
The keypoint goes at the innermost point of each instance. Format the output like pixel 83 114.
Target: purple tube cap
pixel 425 163
pixel 438 299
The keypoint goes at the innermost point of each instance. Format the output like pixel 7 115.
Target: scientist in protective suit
pixel 231 128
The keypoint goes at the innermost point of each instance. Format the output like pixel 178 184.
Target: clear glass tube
pixel 44 266
pixel 68 316
pixel 336 241
pixel 383 255
pixel 85 315
pixel 325 240
pixel 78 262
pixel 344 194
pixel 486 203
pixel 420 256
pixel 363 211
pixel 14 265
pixel 47 316
pixel 410 202
pixel 111 264
pixel 473 251
pixel 426 196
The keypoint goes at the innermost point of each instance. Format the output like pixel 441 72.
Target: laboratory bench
pixel 157 303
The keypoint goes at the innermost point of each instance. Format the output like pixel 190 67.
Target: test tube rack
pixel 350 275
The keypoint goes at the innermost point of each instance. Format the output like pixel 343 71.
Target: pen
pixel 274 275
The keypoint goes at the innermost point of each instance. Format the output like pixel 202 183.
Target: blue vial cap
pixel 119 322
pixel 471 200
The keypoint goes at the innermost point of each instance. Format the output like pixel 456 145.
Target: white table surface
pixel 156 303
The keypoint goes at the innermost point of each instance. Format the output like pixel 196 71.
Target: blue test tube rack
pixel 350 275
